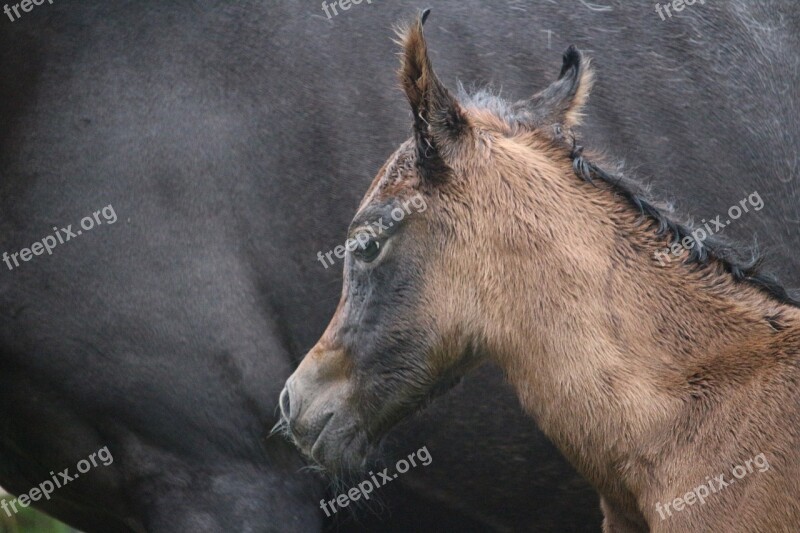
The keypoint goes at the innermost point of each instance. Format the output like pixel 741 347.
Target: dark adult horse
pixel 234 143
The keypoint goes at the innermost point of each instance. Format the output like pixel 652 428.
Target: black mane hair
pixel 704 251
pixel 520 117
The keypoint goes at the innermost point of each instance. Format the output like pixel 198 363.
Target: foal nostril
pixel 285 403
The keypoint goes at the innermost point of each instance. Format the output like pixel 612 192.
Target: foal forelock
pixel 396 175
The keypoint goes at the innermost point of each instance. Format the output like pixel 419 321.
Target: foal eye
pixel 368 252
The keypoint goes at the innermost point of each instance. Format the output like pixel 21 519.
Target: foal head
pixel 462 209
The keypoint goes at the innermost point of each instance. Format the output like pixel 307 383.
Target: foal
pixel 653 379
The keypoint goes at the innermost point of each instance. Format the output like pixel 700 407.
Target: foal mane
pixel 705 251
pixel 519 118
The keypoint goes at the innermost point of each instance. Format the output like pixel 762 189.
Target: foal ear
pixel 438 118
pixel 563 101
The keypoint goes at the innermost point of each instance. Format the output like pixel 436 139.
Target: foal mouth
pixel 319 441
pixel 339 448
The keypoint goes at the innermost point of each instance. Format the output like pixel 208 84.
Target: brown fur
pixel 648 378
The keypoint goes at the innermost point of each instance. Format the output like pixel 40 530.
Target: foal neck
pixel 611 351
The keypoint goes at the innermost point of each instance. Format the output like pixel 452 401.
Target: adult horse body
pixel 234 142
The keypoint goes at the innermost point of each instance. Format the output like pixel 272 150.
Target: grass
pixel 31 521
